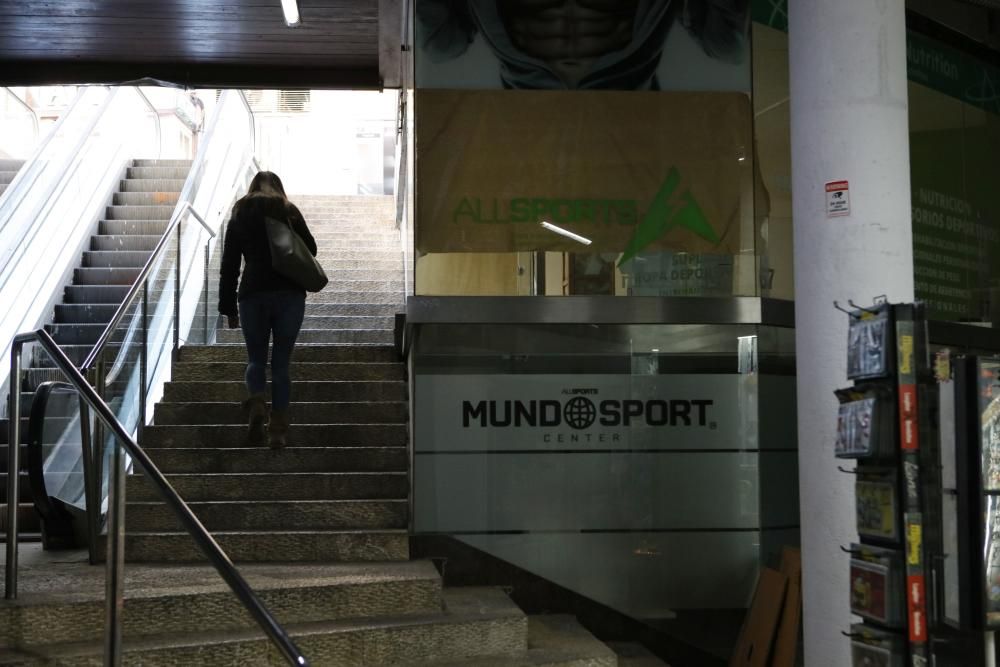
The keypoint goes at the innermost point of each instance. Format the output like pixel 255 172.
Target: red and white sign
pixel 838 199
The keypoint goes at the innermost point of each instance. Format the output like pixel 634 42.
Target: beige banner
pixel 630 171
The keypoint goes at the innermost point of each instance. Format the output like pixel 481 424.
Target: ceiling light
pixel 291 9
pixel 565 232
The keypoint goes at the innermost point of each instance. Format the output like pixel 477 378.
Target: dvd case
pixel 868 344
pixel 876 505
pixel 865 423
pixel 871 647
pixel 877 584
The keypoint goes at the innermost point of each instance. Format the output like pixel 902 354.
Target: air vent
pixel 279 101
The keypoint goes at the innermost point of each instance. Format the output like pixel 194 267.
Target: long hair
pixel 267 182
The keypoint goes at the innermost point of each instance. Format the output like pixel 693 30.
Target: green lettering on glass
pixel 669 209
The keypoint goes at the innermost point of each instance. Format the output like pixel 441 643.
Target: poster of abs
pixel 583 44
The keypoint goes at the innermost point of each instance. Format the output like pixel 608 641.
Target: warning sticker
pixel 838 199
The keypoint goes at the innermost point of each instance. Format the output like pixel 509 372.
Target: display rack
pixel 883 425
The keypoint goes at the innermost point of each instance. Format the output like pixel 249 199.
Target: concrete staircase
pixel 318 528
pixel 134 221
pixel 8 170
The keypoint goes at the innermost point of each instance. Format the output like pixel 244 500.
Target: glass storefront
pixel 650 468
pixel 647 464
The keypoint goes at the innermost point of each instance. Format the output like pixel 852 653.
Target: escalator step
pixel 126 242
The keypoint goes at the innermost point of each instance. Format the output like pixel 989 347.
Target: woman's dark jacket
pixel 246 238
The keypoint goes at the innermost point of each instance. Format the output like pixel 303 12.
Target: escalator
pixel 8 170
pixel 140 216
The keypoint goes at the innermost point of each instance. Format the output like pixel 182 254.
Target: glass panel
pixel 21 131
pixel 627 171
pixel 991 552
pixel 62 448
pixel 651 468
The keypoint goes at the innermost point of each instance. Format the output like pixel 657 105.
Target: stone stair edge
pixel 491 610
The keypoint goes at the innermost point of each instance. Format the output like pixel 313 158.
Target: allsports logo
pixel 672 206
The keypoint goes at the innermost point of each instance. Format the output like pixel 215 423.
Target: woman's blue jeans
pixel 280 312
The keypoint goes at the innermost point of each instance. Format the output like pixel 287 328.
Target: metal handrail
pixel 115 557
pixel 253 124
pixel 156 117
pixel 116 319
pixel 34 114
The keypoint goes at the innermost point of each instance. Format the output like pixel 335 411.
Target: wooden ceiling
pixel 241 43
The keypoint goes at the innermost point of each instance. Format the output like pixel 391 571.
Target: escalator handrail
pixel 66 163
pixel 156 117
pixel 34 114
pixel 208 546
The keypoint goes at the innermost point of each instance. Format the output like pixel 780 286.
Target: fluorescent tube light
pixel 565 232
pixel 291 9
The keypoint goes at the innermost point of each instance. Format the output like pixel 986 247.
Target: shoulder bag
pixel 291 257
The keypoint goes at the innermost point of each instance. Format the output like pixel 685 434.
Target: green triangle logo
pixel 668 210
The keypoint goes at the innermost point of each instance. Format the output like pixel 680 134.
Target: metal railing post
pixel 206 341
pixel 177 294
pixel 143 360
pixel 13 470
pixel 91 494
pixel 115 566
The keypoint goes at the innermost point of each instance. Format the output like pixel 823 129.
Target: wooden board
pixel 786 642
pixel 753 649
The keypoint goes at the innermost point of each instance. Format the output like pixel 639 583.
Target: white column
pixel 849 122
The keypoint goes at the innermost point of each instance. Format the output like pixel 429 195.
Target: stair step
pixel 78 353
pixel 360 308
pixel 302 354
pixel 328 253
pixel 161 162
pixel 153 212
pixel 331 336
pixel 190 598
pixel 337 264
pixel 151 184
pixel 95 293
pixel 155 198
pixel 293 515
pixel 24 488
pixel 288 546
pixel 276 486
pixel 475 626
pixel 76 334
pixel 634 655
pixel 206 459
pixel 553 641
pixel 169 172
pixel 301 391
pixel 10 164
pixel 338 273
pixel 302 435
pixel 135 259
pixel 84 312
pixel 234 370
pixel 394 298
pixel 28 520
pixel 139 227
pixel 124 242
pixel 105 276
pixel 300 412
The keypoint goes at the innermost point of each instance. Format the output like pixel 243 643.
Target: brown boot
pixel 277 429
pixel 257 406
